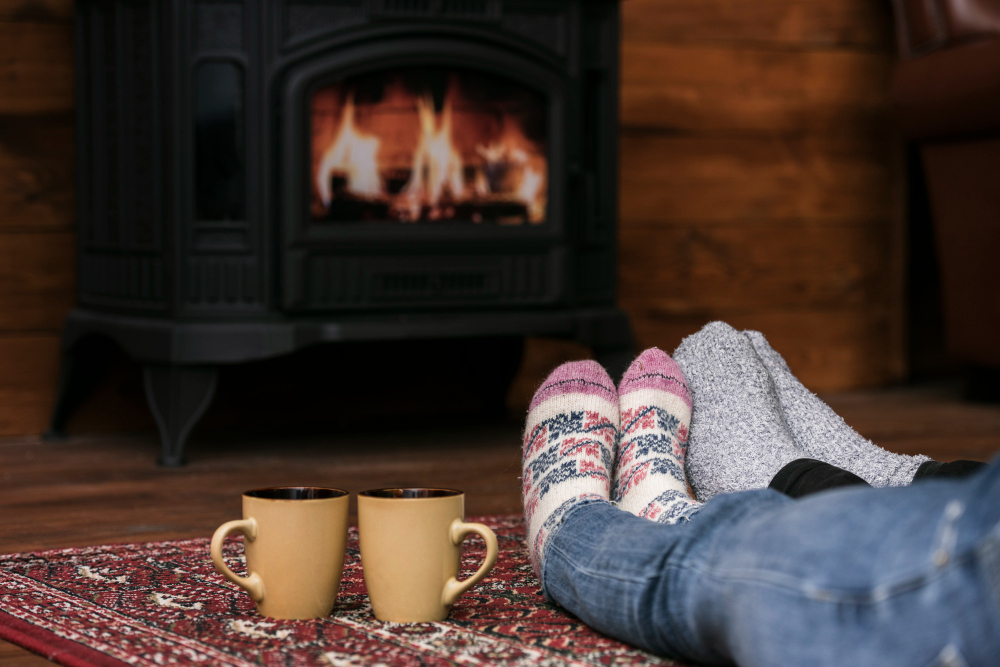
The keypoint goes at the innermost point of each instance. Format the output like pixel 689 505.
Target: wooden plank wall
pixel 760 184
pixel 36 205
pixel 761 181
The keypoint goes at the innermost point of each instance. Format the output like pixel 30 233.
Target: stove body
pixel 255 176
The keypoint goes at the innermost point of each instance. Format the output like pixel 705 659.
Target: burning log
pixel 346 206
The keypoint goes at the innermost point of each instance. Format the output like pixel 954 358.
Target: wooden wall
pixel 36 204
pixel 760 184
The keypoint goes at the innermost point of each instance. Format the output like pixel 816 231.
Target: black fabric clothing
pixel 961 468
pixel 802 477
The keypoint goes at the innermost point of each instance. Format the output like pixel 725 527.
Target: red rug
pixel 164 604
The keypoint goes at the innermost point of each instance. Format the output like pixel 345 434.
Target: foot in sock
pixel 655 408
pixel 739 439
pixel 569 446
pixel 823 435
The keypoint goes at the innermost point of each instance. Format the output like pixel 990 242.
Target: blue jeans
pixel 904 576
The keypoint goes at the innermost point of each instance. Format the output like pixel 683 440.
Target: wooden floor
pixel 94 490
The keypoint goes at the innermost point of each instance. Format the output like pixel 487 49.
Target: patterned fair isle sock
pixel 569 447
pixel 655 406
pixel 823 435
pixel 739 439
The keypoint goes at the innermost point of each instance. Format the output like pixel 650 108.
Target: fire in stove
pixel 421 145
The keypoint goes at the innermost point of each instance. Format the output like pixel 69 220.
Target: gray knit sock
pixel 823 435
pixel 738 439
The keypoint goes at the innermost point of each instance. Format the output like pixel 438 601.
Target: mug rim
pixel 432 493
pixel 274 493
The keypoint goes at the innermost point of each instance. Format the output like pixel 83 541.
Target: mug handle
pixel 251 583
pixel 453 588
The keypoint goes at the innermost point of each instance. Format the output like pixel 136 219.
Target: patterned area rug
pixel 164 604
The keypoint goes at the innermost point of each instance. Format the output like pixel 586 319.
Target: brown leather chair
pixel 947 94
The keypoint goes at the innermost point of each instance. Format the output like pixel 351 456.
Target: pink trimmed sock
pixel 655 406
pixel 569 446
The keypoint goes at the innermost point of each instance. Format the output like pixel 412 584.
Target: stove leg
pixel 81 368
pixel 178 396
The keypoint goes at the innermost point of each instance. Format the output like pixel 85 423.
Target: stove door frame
pixel 294 187
pixel 544 245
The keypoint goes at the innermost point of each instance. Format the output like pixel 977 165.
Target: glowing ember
pixel 387 153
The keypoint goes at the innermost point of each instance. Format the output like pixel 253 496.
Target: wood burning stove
pixel 255 176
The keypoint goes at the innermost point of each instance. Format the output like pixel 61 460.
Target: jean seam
pixel 603 576
pixel 988 556
pixel 894 590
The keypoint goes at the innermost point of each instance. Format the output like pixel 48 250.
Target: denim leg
pixel 631 578
pixel 857 576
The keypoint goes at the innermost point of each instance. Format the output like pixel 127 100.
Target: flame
pixel 437 166
pixel 498 160
pixel 529 192
pixel 464 161
pixel 353 153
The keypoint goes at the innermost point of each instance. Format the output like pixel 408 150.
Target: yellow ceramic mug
pixel 294 539
pixel 411 548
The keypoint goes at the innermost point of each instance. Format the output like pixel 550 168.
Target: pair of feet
pixel 752 416
pixel 586 440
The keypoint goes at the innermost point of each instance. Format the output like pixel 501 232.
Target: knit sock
pixel 655 406
pixel 739 439
pixel 569 446
pixel 823 435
